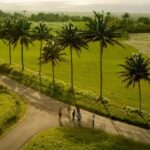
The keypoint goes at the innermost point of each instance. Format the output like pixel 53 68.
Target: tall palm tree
pixel 6 32
pixel 53 53
pixel 41 33
pixel 70 36
pixel 99 29
pixel 21 34
pixel 136 68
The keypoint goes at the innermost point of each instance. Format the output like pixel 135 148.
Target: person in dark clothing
pixel 73 115
pixel 93 123
pixel 79 119
pixel 60 113
pixel 69 109
pixel 78 110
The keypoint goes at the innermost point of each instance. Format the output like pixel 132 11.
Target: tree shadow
pixel 112 122
pixel 60 122
pixel 84 138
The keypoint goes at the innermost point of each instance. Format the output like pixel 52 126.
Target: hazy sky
pixel 75 5
pixel 84 2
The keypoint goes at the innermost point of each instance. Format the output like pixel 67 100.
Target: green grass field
pixel 86 71
pixel 56 26
pixel 11 109
pixel 80 139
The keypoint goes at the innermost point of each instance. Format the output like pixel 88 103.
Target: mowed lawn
pixel 86 70
pixel 81 139
pixel 11 109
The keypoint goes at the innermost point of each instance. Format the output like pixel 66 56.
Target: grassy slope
pixel 80 139
pixel 11 109
pixel 86 71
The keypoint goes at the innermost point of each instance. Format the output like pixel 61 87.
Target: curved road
pixel 43 113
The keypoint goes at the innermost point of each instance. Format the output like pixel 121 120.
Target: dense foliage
pixel 130 23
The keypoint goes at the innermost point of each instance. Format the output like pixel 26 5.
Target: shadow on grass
pixel 82 139
pixel 61 92
pixel 99 140
pixel 109 115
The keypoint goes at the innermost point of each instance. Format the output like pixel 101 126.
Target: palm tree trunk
pixel 22 57
pixel 72 84
pixel 71 59
pixel 101 71
pixel 139 85
pixel 9 53
pixel 40 63
pixel 53 80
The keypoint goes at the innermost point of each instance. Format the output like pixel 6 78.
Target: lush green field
pixel 80 139
pixel 56 26
pixel 11 109
pixel 86 71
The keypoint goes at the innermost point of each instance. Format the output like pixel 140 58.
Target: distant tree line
pixel 3 15
pixel 47 17
pixel 139 25
pixel 126 21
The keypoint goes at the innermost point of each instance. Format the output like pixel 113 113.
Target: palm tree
pixel 6 32
pixel 53 53
pixel 69 36
pixel 21 34
pixel 41 33
pixel 99 29
pixel 136 68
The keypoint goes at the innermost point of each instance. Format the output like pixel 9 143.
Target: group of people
pixel 74 116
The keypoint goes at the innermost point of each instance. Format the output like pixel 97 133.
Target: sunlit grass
pixel 11 109
pixel 81 139
pixel 86 70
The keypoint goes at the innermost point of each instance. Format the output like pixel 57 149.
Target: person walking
pixel 69 109
pixel 93 122
pixel 78 110
pixel 79 119
pixel 73 115
pixel 60 113
pixel 78 116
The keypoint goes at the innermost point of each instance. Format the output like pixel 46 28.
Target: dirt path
pixel 142 46
pixel 43 113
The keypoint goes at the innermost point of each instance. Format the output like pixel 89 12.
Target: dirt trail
pixel 43 113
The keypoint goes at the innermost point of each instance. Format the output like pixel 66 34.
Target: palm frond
pixel 99 29
pixel 53 53
pixel 136 68
pixel 71 36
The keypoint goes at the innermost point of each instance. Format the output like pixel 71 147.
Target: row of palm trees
pixel 98 29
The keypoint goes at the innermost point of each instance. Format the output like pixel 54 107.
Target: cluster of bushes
pixel 85 99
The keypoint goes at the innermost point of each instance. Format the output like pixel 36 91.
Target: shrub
pixel 85 99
